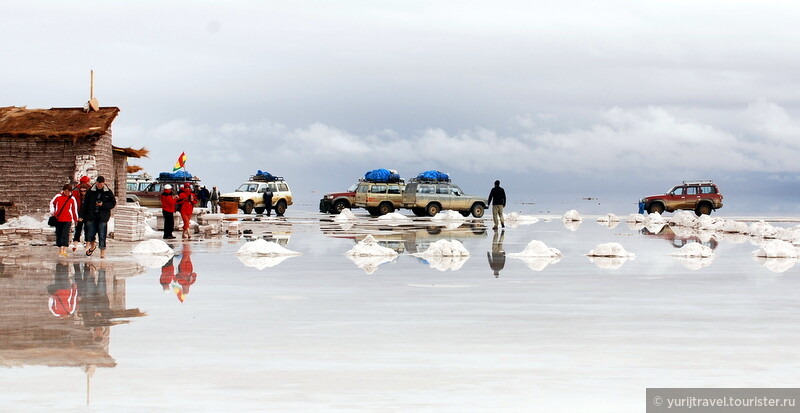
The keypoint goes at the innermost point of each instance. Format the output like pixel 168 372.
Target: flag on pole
pixel 181 162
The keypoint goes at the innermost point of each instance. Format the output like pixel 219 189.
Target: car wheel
pixel 259 210
pixel 420 212
pixel 385 208
pixel 248 207
pixel 339 206
pixel 280 208
pixel 433 209
pixel 703 209
pixel 477 210
pixel 655 208
pixel 373 211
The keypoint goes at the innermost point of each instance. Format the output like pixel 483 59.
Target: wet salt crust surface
pixel 318 333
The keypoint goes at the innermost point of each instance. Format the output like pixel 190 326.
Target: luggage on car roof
pixel 382 175
pixel 433 176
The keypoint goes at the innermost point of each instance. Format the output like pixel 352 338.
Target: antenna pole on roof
pixel 93 104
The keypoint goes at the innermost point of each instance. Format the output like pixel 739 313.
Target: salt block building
pixel 43 149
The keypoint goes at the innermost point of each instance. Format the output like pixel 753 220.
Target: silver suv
pixel 430 197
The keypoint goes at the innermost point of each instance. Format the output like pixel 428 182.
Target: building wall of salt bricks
pixel 33 169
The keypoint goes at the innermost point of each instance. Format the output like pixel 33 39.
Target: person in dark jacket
pixel 268 201
pixel 214 197
pixel 95 213
pixel 168 200
pixel 497 198
pixel 203 196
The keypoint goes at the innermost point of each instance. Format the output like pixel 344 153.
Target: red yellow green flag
pixel 181 162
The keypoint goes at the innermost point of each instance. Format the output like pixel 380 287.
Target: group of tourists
pixel 86 205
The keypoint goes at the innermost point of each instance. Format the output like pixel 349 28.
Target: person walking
pixel 497 198
pixel 96 211
pixel 203 195
pixel 268 201
pixel 214 197
pixel 168 201
pixel 65 211
pixel 79 193
pixel 186 202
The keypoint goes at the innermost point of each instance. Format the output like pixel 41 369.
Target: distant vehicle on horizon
pixel 250 195
pixel 702 197
pixel 147 191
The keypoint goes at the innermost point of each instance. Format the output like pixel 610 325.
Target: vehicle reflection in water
pixel 497 258
pixel 411 239
pixel 86 299
pixel 678 240
pixel 279 233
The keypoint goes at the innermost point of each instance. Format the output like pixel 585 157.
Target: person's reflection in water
pixel 497 258
pixel 186 275
pixel 167 274
pixel 63 299
pixel 95 308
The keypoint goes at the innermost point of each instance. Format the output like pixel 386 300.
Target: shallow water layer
pixel 323 332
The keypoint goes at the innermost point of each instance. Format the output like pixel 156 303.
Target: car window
pixel 155 188
pixel 262 189
pixel 692 190
pixel 283 187
pixel 708 190
pixel 678 190
pixel 378 189
pixel 352 188
pixel 455 190
pixel 132 186
pixel 425 189
pixel 394 189
pixel 362 188
pixel 443 189
pixel 143 186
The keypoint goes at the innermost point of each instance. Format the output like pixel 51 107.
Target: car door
pixel 692 197
pixel 457 199
pixel 395 195
pixel 675 198
pixel 376 194
pixel 444 196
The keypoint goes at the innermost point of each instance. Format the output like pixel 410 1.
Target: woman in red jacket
pixel 186 202
pixel 65 209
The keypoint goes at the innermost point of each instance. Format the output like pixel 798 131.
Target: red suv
pixel 699 196
pixel 334 203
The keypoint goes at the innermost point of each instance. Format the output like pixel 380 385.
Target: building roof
pixel 69 123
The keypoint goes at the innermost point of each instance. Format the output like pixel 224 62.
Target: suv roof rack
pixel 698 182
pixel 431 181
pixel 266 178
pixel 401 181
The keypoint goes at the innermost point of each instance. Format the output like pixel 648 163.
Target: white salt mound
pixel 571 215
pixel 153 247
pixel 536 248
pixel 264 247
pixel 394 216
pixel 444 248
pixel 611 249
pixel 776 249
pixel 654 219
pixel 608 218
pixel 345 216
pixel 635 218
pixel 733 226
pixel 522 219
pixel 694 249
pixel 26 222
pixel 763 229
pixel 448 215
pixel 368 247
pixel 684 219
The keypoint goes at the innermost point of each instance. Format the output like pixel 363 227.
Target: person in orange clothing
pixel 186 202
pixel 65 209
pixel 168 210
pixel 185 275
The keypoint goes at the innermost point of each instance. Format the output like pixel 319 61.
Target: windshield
pixel 352 188
pixel 247 188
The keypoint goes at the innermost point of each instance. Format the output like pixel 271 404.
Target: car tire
pixel 464 213
pixel 259 210
pixel 703 209
pixel 373 211
pixel 432 209
pixel 420 212
pixel 280 208
pixel 655 208
pixel 477 210
pixel 385 208
pixel 248 207
pixel 339 206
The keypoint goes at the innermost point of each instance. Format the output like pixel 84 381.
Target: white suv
pixel 250 195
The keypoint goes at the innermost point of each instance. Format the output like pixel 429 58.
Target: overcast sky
pixel 545 95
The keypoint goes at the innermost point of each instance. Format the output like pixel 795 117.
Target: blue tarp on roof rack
pixel 382 175
pixel 433 176
pixel 175 176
